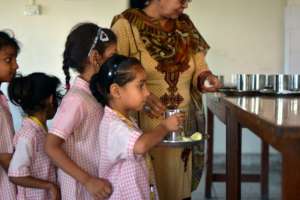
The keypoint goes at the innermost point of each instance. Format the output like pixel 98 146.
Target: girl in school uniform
pixel 9 50
pixel 120 86
pixel 30 168
pixel 72 142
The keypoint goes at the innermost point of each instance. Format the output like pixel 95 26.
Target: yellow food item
pixel 186 139
pixel 196 136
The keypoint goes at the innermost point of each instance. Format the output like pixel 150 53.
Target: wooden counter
pixel 276 120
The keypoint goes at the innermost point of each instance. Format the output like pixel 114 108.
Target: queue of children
pixel 94 149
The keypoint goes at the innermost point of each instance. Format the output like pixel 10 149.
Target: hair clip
pixel 102 36
pixel 9 32
pixel 113 71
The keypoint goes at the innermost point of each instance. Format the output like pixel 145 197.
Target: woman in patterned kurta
pixel 173 54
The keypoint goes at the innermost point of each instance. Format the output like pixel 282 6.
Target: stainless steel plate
pixel 263 92
pixel 281 93
pixel 174 144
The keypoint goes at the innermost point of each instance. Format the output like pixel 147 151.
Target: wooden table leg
pixel 264 171
pixel 209 153
pixel 233 157
pixel 290 171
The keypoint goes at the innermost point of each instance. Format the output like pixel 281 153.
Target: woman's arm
pixel 99 188
pixel 203 78
pixel 154 107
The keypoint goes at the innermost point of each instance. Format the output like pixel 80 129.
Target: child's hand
pixel 55 192
pixel 174 122
pixel 99 188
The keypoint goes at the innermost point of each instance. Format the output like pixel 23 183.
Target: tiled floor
pixel 250 191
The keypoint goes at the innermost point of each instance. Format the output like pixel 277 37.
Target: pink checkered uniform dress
pixel 7 189
pixel 30 159
pixel 77 122
pixel 127 172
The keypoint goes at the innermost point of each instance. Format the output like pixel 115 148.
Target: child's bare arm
pixel 32 182
pixel 5 159
pixel 149 139
pixel 99 188
pixel 53 147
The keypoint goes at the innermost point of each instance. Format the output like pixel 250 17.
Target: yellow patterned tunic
pixel 173 58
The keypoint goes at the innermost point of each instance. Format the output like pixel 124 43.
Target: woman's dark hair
pixel 81 40
pixel 30 92
pixel 117 69
pixel 7 40
pixel 138 3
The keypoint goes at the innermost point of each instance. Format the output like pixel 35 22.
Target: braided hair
pixel 80 41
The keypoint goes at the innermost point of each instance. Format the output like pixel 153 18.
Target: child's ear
pixel 115 90
pixel 48 102
pixel 95 57
pixel 50 99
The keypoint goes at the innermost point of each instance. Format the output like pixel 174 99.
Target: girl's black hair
pixel 7 40
pixel 30 92
pixel 81 40
pixel 117 69
pixel 138 3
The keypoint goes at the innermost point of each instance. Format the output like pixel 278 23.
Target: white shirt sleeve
pixel 21 161
pixel 120 142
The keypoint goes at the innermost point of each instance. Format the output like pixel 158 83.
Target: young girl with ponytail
pixel 72 142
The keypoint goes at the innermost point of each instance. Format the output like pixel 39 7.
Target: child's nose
pixel 16 66
pixel 147 93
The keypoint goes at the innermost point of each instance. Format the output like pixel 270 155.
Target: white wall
pixel 245 35
pixel 43 37
pixel 292 39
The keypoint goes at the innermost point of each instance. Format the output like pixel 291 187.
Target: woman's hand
pixel 98 187
pixel 154 107
pixel 211 84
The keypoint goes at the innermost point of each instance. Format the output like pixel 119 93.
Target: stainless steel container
pixel 294 84
pixel 251 82
pixel 279 82
pixel 227 81
pixel 260 82
pixel 270 78
pixel 174 135
pixel 244 82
